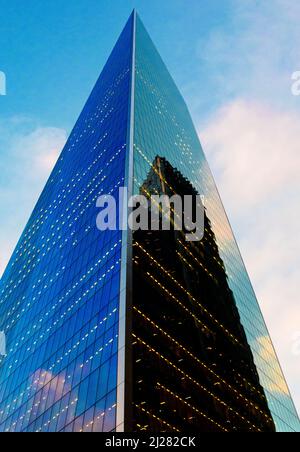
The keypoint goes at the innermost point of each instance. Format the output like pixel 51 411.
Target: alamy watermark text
pixel 2 84
pixel 153 213
pixel 296 83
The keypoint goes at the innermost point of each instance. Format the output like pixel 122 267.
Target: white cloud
pixel 28 154
pixel 253 150
pixel 269 138
pixel 252 141
pixel 251 54
pixel 40 148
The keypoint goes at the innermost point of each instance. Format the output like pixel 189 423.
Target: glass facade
pixel 193 367
pixel 163 127
pixel 109 331
pixel 59 304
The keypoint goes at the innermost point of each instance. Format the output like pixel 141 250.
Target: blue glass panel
pixel 59 296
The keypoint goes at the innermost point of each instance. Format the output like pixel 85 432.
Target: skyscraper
pixel 115 330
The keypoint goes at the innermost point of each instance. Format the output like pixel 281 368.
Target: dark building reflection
pixel 193 369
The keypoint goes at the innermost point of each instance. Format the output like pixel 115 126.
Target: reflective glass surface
pixel 59 304
pixel 163 127
pixel 60 294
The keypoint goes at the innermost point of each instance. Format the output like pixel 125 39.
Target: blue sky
pixel 49 46
pixel 233 62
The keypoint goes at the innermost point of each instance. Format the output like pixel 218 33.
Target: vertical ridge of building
pixel 134 331
pixel 124 390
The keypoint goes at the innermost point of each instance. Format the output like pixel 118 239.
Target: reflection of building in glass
pixel 193 368
pixel 71 297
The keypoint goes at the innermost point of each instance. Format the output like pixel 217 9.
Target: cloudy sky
pixel 233 61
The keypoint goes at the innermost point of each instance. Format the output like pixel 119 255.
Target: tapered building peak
pixel 133 330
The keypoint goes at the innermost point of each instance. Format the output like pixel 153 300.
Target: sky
pixel 233 62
